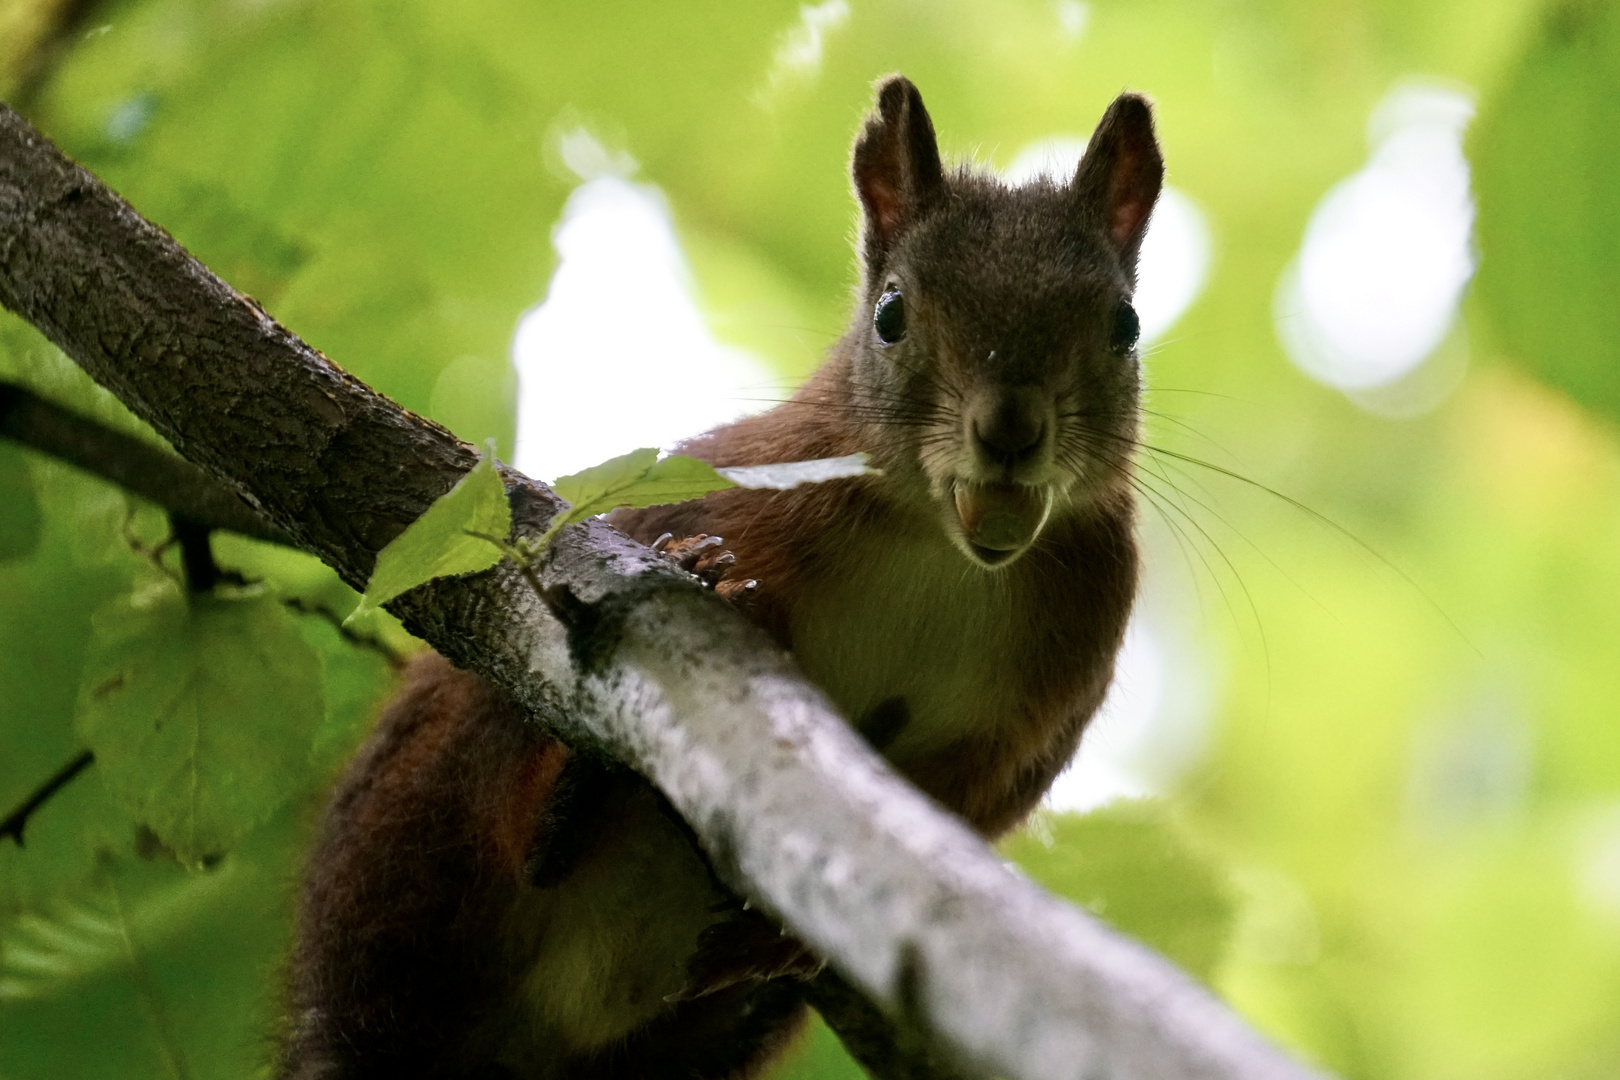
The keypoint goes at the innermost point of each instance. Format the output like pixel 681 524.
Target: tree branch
pixel 171 482
pixel 791 807
pixel 887 1048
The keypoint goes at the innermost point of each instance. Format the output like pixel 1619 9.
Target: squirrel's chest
pixel 913 620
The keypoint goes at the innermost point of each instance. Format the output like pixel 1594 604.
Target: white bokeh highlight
pixel 1174 262
pixel 1387 252
pixel 1173 265
pixel 618 356
pixel 1073 17
pixel 1118 734
pixel 1152 729
pixel 803 45
pixel 801 49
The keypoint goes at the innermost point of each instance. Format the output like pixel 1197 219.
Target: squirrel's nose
pixel 1011 431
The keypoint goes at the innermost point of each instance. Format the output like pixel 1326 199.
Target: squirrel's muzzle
pixel 1000 520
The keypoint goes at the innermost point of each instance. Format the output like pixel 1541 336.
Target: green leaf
pixel 590 485
pixel 19 506
pixel 634 479
pixel 91 928
pixel 42 951
pixel 1129 864
pixel 200 711
pixel 356 680
pixel 441 543
pixel 1548 273
pixel 639 479
pixel 94 965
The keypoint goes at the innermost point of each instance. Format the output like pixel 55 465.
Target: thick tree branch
pixel 790 805
pixel 889 1048
pixel 172 483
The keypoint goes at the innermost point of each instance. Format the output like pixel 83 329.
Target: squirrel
pixel 483 901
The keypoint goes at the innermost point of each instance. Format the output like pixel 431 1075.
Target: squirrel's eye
pixel 1127 328
pixel 889 317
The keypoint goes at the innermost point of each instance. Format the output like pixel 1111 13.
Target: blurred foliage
pixel 1401 851
pixel 1549 190
pixel 19 527
pixel 458 534
pixel 1132 866
pixel 200 711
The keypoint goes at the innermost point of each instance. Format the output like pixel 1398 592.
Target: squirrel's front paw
pixel 706 558
pixel 745 948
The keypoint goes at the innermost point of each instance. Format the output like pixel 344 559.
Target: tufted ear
pixel 1119 178
pixel 896 167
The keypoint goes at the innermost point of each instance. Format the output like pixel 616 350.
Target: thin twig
pixel 196 555
pixel 17 820
pixel 395 658
pixel 133 464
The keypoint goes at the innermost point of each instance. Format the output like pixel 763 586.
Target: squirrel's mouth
pixel 1000 521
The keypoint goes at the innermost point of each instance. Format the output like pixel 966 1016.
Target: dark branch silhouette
pixel 17 820
pixel 134 465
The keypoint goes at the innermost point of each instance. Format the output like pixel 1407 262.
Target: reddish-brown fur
pixel 466 857
pixel 410 967
pixel 795 542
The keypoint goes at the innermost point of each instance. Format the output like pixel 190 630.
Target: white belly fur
pixel 613 939
pixel 915 620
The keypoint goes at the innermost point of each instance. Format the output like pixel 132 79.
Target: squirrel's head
pixel 994 351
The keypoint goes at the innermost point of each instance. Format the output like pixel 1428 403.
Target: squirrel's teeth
pixel 999 517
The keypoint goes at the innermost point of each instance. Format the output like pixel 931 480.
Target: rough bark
pixel 887 1048
pixel 627 654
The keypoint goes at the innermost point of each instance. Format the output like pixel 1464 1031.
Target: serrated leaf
pixel 634 479
pixel 587 486
pixel 200 711
pixel 441 543
pixel 640 478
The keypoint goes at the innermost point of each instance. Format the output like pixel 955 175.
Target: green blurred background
pixel 1380 765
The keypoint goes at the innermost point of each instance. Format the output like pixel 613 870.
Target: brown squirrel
pixel 483 901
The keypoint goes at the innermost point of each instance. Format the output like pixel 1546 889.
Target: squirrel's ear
pixel 1120 175
pixel 896 166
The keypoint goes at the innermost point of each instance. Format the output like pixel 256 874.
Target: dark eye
pixel 889 317
pixel 1127 328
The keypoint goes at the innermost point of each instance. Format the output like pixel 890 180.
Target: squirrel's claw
pixel 703 557
pixel 744 948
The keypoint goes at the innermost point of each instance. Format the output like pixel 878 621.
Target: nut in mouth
pixel 999 521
